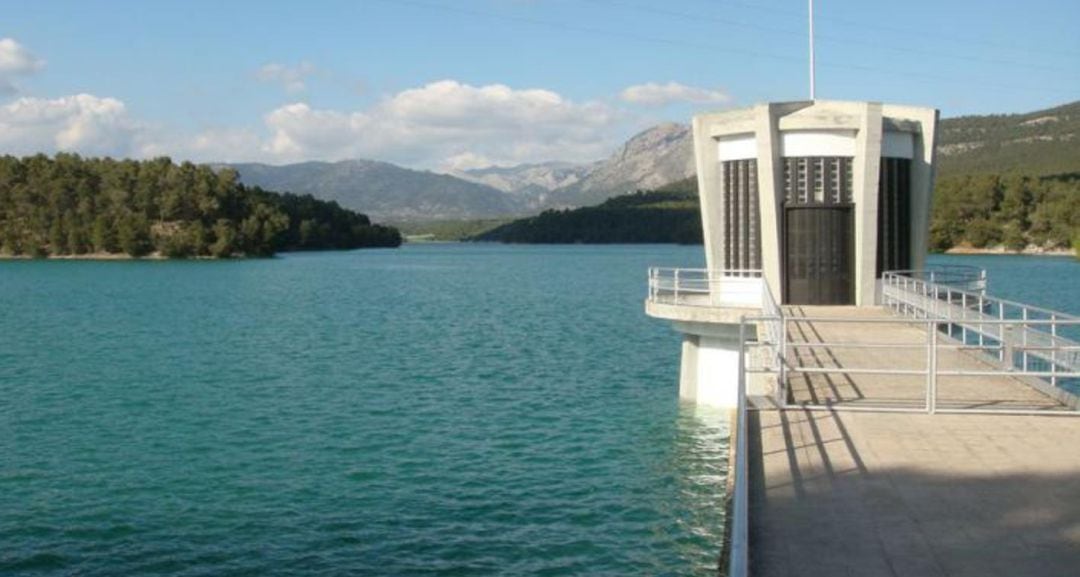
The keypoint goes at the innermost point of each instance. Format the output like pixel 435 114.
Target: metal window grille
pixel 817 180
pixel 742 231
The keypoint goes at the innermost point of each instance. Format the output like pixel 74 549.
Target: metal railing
pixel 952 313
pixel 1021 337
pixel 738 540
pixel 705 287
pixel 816 363
pixel 960 276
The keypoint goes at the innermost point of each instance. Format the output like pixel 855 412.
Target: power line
pixel 711 48
pixel 909 32
pixel 830 39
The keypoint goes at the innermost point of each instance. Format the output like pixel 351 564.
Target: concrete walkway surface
pixel 894 494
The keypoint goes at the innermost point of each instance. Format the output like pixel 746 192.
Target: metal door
pixel 819 255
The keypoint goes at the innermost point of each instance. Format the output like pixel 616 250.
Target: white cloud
pixel 15 61
pixel 654 94
pixel 446 125
pixel 465 161
pixel 430 125
pixel 81 123
pixel 292 78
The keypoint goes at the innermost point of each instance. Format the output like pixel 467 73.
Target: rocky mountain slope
pixel 1044 142
pixel 384 191
pixel 653 158
pixel 532 182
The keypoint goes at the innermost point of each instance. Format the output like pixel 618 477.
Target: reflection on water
pixel 701 464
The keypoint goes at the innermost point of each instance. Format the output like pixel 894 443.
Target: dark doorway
pixel 894 215
pixel 819 255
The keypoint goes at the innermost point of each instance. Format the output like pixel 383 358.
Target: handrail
pixel 897 279
pixel 739 541
pixel 959 275
pixel 705 287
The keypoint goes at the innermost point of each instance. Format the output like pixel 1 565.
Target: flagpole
pixel 813 79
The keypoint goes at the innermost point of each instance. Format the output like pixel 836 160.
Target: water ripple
pixel 435 410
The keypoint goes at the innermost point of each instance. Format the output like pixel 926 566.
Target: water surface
pixel 434 410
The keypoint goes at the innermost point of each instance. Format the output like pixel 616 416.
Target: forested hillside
pixel 666 215
pixel 69 205
pixel 978 211
pixel 1040 143
pixel 1012 210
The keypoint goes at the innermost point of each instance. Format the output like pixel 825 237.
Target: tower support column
pixel 709 372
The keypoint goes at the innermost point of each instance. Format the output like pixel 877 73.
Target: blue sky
pixel 458 83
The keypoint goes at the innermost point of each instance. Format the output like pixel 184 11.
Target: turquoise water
pixel 434 410
pixel 1051 282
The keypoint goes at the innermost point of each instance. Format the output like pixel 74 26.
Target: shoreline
pixel 103 256
pixel 1001 250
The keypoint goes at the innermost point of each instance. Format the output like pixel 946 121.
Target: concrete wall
pixel 864 130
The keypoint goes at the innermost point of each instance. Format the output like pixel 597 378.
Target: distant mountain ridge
pixel 532 182
pixel 1038 143
pixel 383 190
pixel 1043 142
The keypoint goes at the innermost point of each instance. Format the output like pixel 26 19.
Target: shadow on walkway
pixel 890 494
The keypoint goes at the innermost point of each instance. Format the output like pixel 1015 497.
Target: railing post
pixel 1002 345
pixel 925 299
pixel 1024 341
pixel 676 281
pixel 782 385
pixel 963 327
pixel 931 368
pixel 982 328
pixel 1053 350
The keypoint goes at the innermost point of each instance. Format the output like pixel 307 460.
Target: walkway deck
pixel 906 351
pixel 899 494
pixel 912 494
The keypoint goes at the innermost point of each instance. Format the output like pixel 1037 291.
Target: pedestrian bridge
pixel 936 342
pixel 899 439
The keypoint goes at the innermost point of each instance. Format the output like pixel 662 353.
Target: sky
pixel 456 84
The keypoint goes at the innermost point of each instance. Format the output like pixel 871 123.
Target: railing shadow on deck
pixel 821 508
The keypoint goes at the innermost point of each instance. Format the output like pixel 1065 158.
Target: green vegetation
pixel 668 215
pixel 1038 143
pixel 69 205
pixel 979 211
pixel 1013 211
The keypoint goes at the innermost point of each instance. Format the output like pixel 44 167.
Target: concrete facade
pixel 770 134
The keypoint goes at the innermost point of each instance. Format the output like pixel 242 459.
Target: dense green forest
pixel 667 215
pixel 69 205
pixel 1037 143
pixel 1011 210
pixel 977 211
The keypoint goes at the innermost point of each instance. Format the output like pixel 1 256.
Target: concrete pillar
pixel 770 174
pixel 709 373
pixel 866 172
pixel 707 158
pixel 922 188
pixel 688 370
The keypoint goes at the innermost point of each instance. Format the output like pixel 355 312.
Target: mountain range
pixel 1037 143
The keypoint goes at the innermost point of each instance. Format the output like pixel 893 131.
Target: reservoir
pixel 433 410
